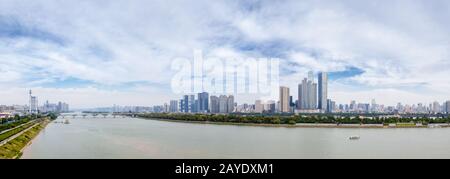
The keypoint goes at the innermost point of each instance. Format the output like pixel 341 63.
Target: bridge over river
pixel 99 115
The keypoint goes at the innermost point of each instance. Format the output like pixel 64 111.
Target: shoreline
pixel 15 147
pixel 44 125
pixel 307 125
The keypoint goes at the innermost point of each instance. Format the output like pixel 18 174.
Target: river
pixel 138 138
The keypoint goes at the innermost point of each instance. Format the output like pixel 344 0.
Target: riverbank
pixel 14 148
pixel 305 125
pixel 310 121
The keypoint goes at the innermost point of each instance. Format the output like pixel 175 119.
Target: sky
pixel 99 53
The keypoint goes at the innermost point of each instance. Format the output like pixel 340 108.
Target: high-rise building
pixel 447 107
pixel 173 108
pixel 64 107
pixel 313 95
pixel 302 94
pixel 353 107
pixel 443 107
pixel 400 107
pixel 284 100
pixel 362 108
pixel 223 104
pixel 61 107
pixel 165 108
pixel 185 104
pixel 323 91
pixel 195 106
pixel 230 104
pixel 214 105
pixel 374 106
pixel 330 106
pixel 270 107
pixel 33 104
pixel 307 94
pixel 203 102
pixel 181 105
pixel 258 106
pixel 192 104
pixel 291 101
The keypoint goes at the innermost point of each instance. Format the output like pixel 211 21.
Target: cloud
pixel 390 46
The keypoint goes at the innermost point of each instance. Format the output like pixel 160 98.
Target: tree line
pixel 292 119
pixel 16 120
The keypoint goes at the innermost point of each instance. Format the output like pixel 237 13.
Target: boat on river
pixel 354 137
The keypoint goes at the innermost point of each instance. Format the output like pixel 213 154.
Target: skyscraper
pixel 230 104
pixel 307 93
pixel 214 104
pixel 291 101
pixel 436 108
pixel 447 107
pixel 258 106
pixel 284 99
pixel 302 94
pixel 165 108
pixel 185 104
pixel 192 104
pixel 195 106
pixel 173 106
pixel 33 104
pixel 323 91
pixel 181 105
pixel 30 110
pixel 270 107
pixel 203 102
pixel 331 106
pixel 223 104
pixel 353 106
pixel 374 106
pixel 62 107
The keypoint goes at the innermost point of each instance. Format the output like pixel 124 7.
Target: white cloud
pixel 399 45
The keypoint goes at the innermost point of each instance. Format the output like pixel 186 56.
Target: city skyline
pixel 312 98
pixel 34 106
pixel 226 104
pixel 389 51
pixel 202 104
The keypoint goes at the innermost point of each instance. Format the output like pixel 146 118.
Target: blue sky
pixel 99 53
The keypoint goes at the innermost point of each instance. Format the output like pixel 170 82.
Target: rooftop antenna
pixel 30 102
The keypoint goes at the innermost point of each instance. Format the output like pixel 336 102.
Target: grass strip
pixel 13 149
pixel 10 133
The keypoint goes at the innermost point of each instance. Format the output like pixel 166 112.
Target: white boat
pixel 354 138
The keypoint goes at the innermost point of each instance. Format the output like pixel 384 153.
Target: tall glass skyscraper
pixel 184 104
pixel 230 104
pixel 307 93
pixel 203 102
pixel 192 104
pixel 323 91
pixel 173 107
